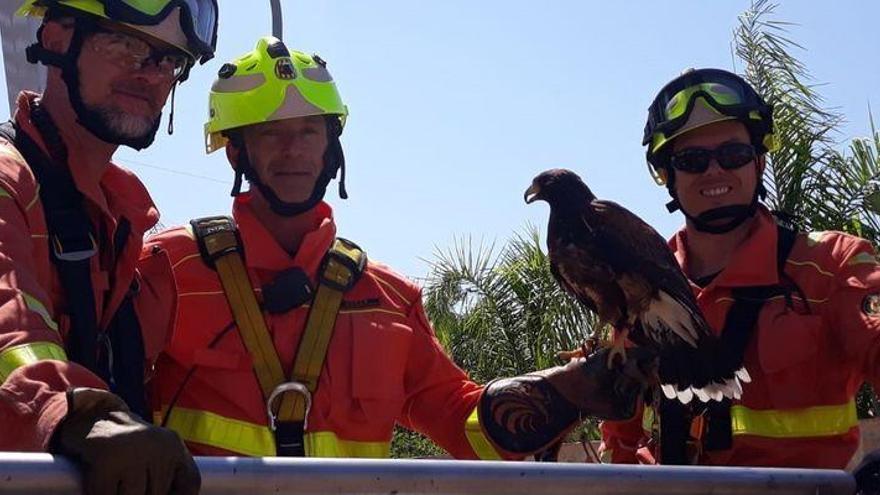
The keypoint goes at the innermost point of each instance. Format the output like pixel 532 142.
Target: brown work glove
pixel 604 393
pixel 118 452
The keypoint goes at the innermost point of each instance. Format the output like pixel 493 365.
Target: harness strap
pixel 340 269
pixel 709 425
pixel 108 354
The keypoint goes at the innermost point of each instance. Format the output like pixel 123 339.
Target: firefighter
pixel 287 340
pixel 800 309
pixel 71 351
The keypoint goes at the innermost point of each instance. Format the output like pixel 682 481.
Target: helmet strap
pixel 735 215
pixel 67 63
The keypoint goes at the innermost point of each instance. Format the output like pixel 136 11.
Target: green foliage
pixel 809 177
pixel 410 445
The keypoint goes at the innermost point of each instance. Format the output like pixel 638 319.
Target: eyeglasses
pixel 729 156
pixel 135 54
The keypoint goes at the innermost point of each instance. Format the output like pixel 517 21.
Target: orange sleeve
pixel 854 309
pixel 34 372
pixel 621 440
pixel 441 399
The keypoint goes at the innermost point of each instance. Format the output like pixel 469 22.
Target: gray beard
pixel 120 128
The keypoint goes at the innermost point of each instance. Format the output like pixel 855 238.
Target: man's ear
pixel 56 34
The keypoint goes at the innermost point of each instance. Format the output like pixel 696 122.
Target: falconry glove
pixel 526 414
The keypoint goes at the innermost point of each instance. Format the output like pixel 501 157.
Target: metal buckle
pixel 80 255
pixel 285 387
pixel 355 268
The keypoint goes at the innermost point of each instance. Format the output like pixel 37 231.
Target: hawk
pixel 620 268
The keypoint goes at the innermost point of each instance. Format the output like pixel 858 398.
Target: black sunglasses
pixel 729 156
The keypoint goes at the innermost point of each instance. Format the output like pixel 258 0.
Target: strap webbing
pixel 739 325
pixel 342 266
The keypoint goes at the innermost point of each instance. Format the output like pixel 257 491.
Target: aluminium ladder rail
pixel 22 473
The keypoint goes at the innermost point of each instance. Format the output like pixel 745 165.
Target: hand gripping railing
pixel 44 474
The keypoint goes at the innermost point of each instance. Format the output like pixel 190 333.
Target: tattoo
pixel 525 414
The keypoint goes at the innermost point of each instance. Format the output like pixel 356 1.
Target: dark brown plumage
pixel 620 268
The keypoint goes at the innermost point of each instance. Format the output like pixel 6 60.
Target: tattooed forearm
pixel 525 414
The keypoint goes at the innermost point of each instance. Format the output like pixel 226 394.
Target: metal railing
pixel 44 474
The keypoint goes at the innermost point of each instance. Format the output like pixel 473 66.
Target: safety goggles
pixel 198 18
pixel 134 54
pixel 724 91
pixel 729 156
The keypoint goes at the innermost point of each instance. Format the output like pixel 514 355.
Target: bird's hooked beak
pixel 532 194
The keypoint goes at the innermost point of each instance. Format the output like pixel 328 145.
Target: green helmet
pixel 189 25
pixel 267 84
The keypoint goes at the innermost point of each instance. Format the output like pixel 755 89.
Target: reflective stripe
pixel 648 419
pixel 25 354
pixel 39 308
pixel 819 421
pixel 327 444
pixel 251 439
pixel 862 258
pixel 478 440
pixel 229 434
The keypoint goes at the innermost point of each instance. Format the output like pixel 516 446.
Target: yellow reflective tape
pixel 185 259
pixel 473 429
pixel 33 201
pixel 4 194
pixel 327 444
pixel 392 288
pixel 25 354
pixel 648 419
pixel 255 440
pixel 819 421
pixel 37 307
pixel 811 264
pixel 774 298
pixel 862 258
pixel 213 430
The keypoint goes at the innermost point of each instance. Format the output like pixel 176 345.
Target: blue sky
pixel 456 105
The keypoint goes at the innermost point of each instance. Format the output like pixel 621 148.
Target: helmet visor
pixel 728 94
pixel 198 18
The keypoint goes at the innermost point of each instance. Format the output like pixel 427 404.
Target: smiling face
pixel 716 187
pixel 288 155
pixel 127 98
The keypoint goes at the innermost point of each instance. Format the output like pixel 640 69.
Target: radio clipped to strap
pixel 340 270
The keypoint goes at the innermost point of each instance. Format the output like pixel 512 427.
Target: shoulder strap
pixel 71 244
pixel 341 268
pixel 739 325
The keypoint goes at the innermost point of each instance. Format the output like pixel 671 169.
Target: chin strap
pixel 707 220
pixel 334 160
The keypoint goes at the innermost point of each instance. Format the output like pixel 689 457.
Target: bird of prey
pixel 619 267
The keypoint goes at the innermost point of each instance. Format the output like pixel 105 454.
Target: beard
pixel 118 127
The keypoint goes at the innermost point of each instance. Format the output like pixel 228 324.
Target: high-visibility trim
pixel 775 298
pixel 862 258
pixel 213 430
pixel 22 355
pixel 814 238
pixel 185 259
pixel 373 310
pixel 392 288
pixel 812 265
pixel 648 419
pixel 480 443
pixel 328 444
pixel 4 194
pixel 255 440
pixel 35 199
pixel 39 308
pixel 818 421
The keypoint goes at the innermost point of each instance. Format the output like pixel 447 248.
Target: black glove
pixel 867 474
pixel 600 392
pixel 118 453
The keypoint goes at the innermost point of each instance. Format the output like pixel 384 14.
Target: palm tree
pixel 503 314
pixel 819 186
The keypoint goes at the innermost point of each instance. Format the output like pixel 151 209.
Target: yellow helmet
pixel 189 25
pixel 267 84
